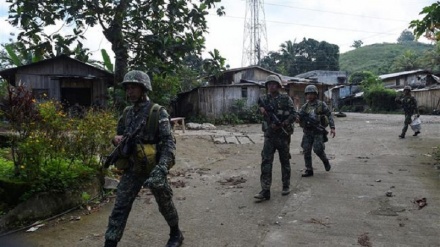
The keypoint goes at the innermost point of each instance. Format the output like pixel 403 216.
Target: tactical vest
pixel 145 156
pixel 319 110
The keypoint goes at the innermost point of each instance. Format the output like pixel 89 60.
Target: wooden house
pixel 428 97
pixel 414 78
pixel 63 78
pixel 215 101
pixel 254 74
pixel 327 77
pixel 221 94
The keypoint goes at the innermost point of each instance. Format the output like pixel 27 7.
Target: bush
pixel 381 99
pixel 52 151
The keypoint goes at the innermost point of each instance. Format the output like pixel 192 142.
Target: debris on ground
pixel 178 184
pixel 340 114
pixel 177 173
pixel 363 157
pixel 389 193
pixel 233 181
pixel 364 240
pixel 319 222
pixel 110 183
pixel 421 203
pixel 75 218
pixel 378 180
pixel 203 126
pixel 34 228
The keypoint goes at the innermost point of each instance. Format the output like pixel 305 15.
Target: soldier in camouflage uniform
pixel 409 105
pixel 137 84
pixel 279 116
pixel 312 138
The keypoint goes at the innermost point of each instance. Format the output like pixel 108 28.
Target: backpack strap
pixel 319 108
pixel 153 122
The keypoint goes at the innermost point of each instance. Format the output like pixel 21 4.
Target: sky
pixel 338 22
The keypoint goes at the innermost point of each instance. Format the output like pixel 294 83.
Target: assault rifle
pixel 312 123
pixel 273 119
pixel 125 147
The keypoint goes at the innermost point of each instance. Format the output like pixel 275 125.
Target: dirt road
pixel 367 199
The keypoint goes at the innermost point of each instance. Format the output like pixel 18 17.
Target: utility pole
pixel 254 36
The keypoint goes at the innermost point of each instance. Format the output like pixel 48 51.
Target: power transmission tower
pixel 254 36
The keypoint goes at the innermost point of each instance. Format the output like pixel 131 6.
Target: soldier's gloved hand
pixel 157 178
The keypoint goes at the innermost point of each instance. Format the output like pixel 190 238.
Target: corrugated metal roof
pixel 392 75
pixel 14 70
pixel 250 67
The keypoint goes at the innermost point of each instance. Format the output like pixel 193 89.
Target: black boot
pixel 110 243
pixel 327 165
pixel 286 190
pixel 263 195
pixel 401 136
pixel 307 173
pixel 417 132
pixel 175 240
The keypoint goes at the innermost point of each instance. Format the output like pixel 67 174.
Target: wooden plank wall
pixel 428 99
pixel 43 76
pixel 216 101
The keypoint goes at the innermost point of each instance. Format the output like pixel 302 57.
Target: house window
pixel 244 92
pixel 398 82
pixel 40 94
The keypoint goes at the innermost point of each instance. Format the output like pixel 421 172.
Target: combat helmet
pixel 273 78
pixel 137 77
pixel 407 88
pixel 311 89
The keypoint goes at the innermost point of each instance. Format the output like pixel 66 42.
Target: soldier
pixel 315 135
pixel 279 116
pixel 137 84
pixel 409 105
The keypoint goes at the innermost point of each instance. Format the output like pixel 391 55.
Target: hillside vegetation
pixel 378 58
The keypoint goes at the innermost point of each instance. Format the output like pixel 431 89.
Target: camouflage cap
pixel 138 77
pixel 407 88
pixel 273 78
pixel 311 89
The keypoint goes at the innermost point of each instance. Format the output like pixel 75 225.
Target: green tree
pixel 169 87
pixel 191 72
pixel 17 53
pixel 214 66
pixel 407 61
pixel 148 35
pixel 431 59
pixel 272 62
pixel 430 24
pixel 296 58
pixel 357 43
pixel 406 36
pixel 364 78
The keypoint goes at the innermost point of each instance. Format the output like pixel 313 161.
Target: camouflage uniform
pixel 409 105
pixel 312 139
pixel 132 181
pixel 277 139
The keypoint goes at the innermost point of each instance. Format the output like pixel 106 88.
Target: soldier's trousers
pixel 407 121
pixel 271 144
pixel 127 190
pixel 316 141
